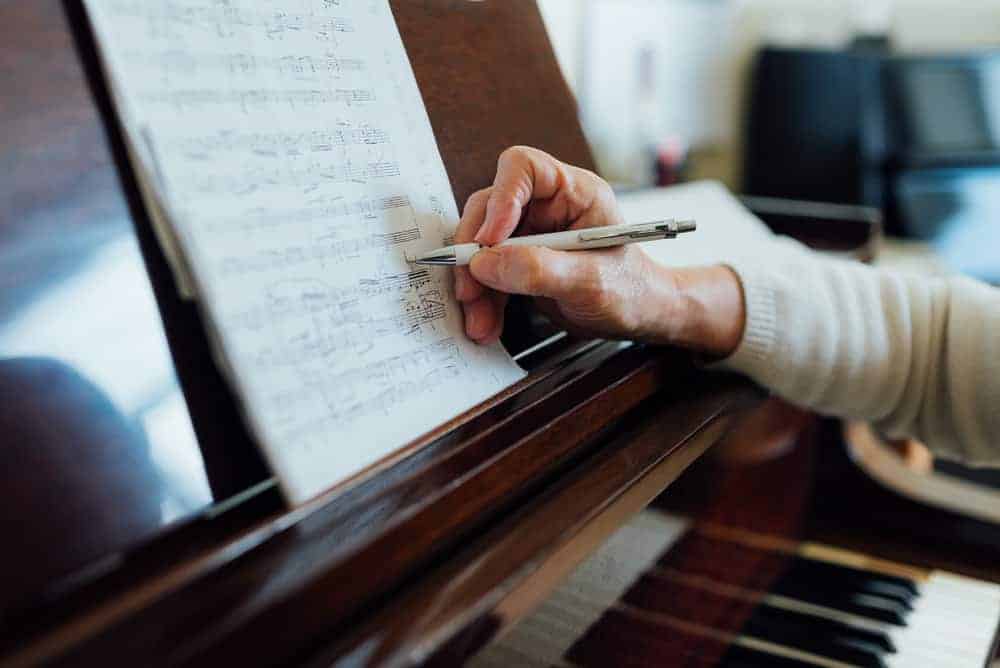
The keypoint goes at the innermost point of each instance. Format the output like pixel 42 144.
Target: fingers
pixel 468 289
pixel 483 308
pixel 472 216
pixel 523 174
pixel 546 195
pixel 586 201
pixel 484 317
pixel 530 270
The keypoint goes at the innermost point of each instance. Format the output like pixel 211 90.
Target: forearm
pixel 918 357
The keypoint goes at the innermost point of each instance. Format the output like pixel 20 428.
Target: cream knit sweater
pixel 918 357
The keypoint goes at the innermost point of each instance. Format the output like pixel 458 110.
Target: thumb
pixel 529 270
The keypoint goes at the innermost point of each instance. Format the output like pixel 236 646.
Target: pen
pixel 573 240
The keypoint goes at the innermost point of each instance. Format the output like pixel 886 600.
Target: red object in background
pixel 670 158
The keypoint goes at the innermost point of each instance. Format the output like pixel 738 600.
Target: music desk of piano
pixel 424 562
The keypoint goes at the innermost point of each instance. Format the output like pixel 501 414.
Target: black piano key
pixel 863 645
pixel 815 570
pixel 746 657
pixel 796 578
pixel 796 589
pixel 806 639
pixel 829 627
pixel 759 569
pixel 891 591
pixel 870 606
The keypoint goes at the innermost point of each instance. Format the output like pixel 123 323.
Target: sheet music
pixel 288 144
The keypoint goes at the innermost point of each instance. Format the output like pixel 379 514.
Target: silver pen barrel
pixel 441 257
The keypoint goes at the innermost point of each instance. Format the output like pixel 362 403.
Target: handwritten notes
pixel 288 145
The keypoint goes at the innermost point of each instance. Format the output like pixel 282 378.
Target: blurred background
pixel 893 104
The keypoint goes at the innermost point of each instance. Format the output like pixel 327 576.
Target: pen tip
pixel 441 256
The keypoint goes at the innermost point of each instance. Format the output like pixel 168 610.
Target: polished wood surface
pixel 824 496
pixel 453 598
pixel 297 579
pixel 100 422
pixel 490 80
pixel 92 406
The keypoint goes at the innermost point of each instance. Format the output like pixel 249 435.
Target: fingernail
pixel 485 234
pixel 485 266
pixel 494 218
pixel 471 324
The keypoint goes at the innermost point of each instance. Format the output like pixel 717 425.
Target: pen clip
pixel 662 229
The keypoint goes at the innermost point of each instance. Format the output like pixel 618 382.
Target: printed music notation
pixel 272 143
pixel 388 384
pixel 320 253
pixel 231 19
pixel 294 67
pixel 317 210
pixel 347 329
pixel 303 177
pixel 308 298
pixel 249 100
pixel 290 145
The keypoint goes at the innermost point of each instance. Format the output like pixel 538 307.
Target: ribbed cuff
pixel 760 334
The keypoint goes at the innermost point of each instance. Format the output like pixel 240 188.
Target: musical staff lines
pixel 389 383
pixel 311 322
pixel 250 100
pixel 302 177
pixel 322 252
pixel 321 210
pixel 295 67
pixel 311 297
pixel 273 144
pixel 229 19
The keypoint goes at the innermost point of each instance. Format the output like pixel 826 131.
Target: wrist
pixel 706 309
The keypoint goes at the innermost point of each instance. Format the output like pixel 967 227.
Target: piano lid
pixel 101 450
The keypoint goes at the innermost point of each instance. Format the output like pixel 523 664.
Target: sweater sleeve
pixel 918 357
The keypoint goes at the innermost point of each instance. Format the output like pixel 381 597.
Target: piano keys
pixel 664 590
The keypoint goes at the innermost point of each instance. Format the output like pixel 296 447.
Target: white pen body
pixel 571 240
pixel 568 241
pixel 564 241
pixel 464 253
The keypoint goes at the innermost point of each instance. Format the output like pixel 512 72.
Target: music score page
pixel 289 147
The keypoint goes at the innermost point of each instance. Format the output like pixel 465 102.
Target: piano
pixel 141 526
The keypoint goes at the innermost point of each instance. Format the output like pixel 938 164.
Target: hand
pixel 603 293
pixel 611 293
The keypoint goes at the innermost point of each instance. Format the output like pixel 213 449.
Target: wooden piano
pixel 141 527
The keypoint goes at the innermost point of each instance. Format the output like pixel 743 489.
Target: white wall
pixel 944 25
pixel 564 19
pixel 914 25
pixel 688 97
pixel 703 66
